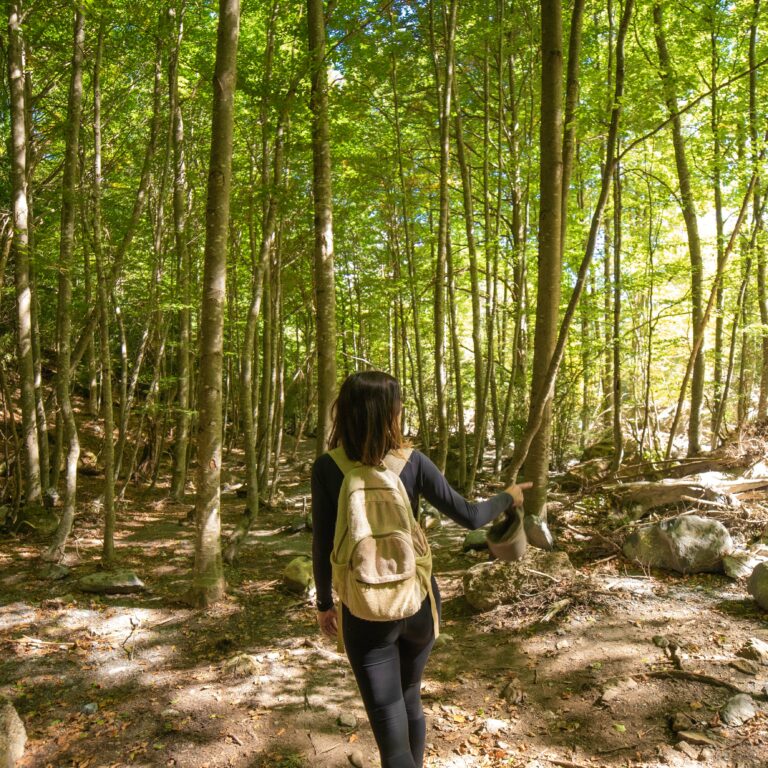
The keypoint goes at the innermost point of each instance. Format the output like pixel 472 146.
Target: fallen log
pixel 637 499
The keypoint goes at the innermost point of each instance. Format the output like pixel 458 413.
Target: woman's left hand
pixel 328 622
pixel 516 492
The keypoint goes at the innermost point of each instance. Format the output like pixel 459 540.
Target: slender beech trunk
pixel 649 272
pixel 518 242
pixel 64 314
pixel 474 281
pixel 108 549
pixel 42 417
pixel 738 318
pixel 618 435
pixel 136 212
pixel 90 351
pixel 550 249
pixel 542 397
pixel 418 374
pixel 691 227
pixel 698 335
pixel 571 103
pixel 325 293
pixel 461 475
pixel 762 290
pixel 720 237
pixel 20 248
pixel 183 399
pixel 443 222
pixel 208 575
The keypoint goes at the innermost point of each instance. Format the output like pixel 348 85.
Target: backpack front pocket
pixel 383 559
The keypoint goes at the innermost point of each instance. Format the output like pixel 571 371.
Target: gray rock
pixel 13 736
pixel 37 519
pixel 297 575
pixel 746 667
pixel 90 709
pixel 739 565
pixel 355 758
pixel 617 689
pixel 537 531
pixel 55 572
pixel 698 737
pixel 686 544
pixel 758 585
pixel 513 692
pixel 488 585
pixel 475 540
pixel 680 721
pixel 738 710
pixel 756 650
pixel 687 749
pixel 111 583
pixel 494 726
pixel 346 720
pixel 242 665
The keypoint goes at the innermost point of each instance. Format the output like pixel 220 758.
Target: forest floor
pixel 503 688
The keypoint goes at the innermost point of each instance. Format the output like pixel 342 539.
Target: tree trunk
pixel 541 398
pixel 325 292
pixel 691 227
pixel 474 280
pixel 208 575
pixel 618 436
pixel 418 374
pixel 720 244
pixel 443 222
pixel 108 549
pixel 762 291
pixel 64 315
pixel 20 249
pixel 136 212
pixel 183 400
pixel 461 475
pixel 550 249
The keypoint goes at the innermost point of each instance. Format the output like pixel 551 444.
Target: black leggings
pixel 388 659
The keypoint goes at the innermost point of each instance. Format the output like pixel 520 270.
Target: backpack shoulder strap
pixel 344 463
pixel 396 460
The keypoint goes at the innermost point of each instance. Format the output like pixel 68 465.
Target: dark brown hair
pixel 366 417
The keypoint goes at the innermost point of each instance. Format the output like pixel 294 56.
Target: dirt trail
pixel 156 669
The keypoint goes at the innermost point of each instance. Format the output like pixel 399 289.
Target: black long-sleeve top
pixel 420 478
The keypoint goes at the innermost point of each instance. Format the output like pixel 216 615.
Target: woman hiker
pixel 387 656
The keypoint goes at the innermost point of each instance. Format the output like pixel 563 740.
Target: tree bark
pixel 541 398
pixel 208 575
pixel 183 399
pixel 418 374
pixel 64 315
pixel 618 435
pixel 108 548
pixel 720 244
pixel 443 222
pixel 691 227
pixel 325 292
pixel 762 290
pixel 549 239
pixel 20 250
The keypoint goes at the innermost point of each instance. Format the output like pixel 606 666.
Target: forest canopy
pixel 473 196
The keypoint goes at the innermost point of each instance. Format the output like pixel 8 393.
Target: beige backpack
pixel 381 561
